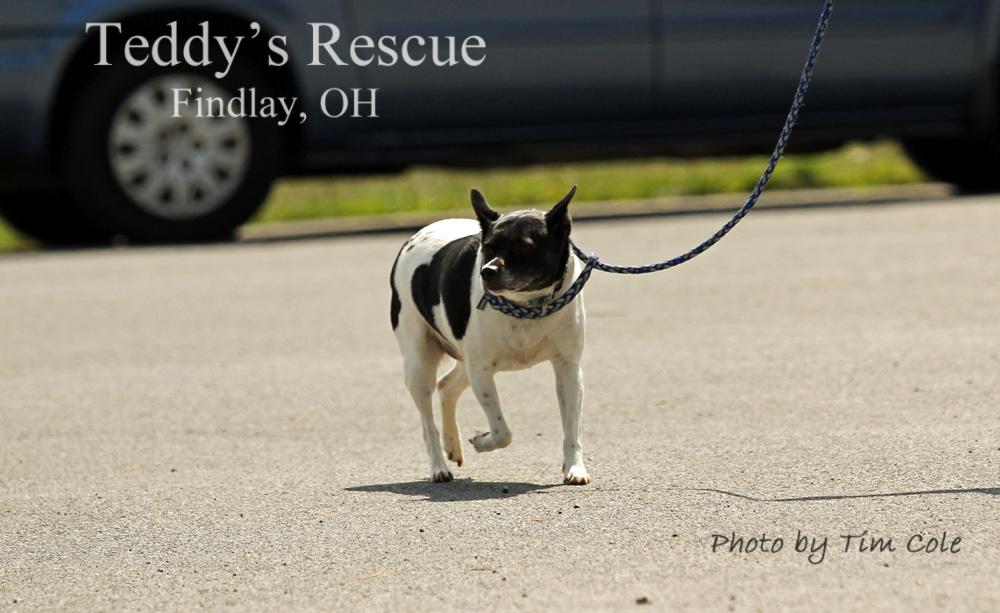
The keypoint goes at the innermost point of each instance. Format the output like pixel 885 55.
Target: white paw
pixel 576 475
pixel 488 441
pixel 439 471
pixel 441 476
pixel 453 448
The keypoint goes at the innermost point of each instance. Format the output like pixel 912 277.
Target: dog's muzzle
pixel 491 273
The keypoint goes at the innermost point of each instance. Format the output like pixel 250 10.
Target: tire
pixel 136 171
pixel 49 217
pixel 971 165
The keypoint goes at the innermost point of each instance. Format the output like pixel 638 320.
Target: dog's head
pixel 524 251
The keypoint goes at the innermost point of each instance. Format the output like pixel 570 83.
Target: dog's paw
pixel 453 449
pixel 489 441
pixel 441 476
pixel 439 470
pixel 576 475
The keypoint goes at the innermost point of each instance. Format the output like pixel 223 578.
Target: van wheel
pixel 140 165
pixel 969 164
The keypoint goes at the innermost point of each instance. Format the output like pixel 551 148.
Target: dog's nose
pixel 489 273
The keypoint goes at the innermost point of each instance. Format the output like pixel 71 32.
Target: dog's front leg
pixel 569 389
pixel 499 436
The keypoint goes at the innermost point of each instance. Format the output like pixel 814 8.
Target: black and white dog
pixel 438 279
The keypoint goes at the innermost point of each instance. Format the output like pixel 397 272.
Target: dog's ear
pixel 484 213
pixel 557 219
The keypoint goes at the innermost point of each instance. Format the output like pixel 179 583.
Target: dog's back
pixel 431 282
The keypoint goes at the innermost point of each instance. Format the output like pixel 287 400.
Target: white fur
pixel 493 342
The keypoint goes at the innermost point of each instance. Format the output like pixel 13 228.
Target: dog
pixel 437 281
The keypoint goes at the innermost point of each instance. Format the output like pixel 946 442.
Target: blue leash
pixel 524 312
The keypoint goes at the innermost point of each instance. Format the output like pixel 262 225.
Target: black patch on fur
pixel 394 304
pixel 533 246
pixel 448 276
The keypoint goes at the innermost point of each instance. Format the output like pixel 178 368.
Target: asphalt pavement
pixel 226 427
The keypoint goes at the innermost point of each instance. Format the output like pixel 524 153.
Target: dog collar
pixel 542 301
pixel 534 303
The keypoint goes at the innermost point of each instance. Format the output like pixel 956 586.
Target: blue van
pixel 98 139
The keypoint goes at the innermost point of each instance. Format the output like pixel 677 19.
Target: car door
pixel 553 62
pixel 731 59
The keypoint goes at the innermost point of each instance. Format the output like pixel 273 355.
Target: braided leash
pixel 525 312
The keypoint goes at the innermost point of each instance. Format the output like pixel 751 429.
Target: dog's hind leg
pixel 420 365
pixel 450 387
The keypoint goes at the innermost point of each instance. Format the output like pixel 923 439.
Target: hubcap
pixel 177 167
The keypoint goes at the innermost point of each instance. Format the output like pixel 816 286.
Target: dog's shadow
pixel 464 490
pixel 459 490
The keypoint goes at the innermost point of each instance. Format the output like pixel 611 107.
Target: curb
pixel 605 210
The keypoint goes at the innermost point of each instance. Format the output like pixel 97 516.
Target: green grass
pixel 11 240
pixel 433 189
